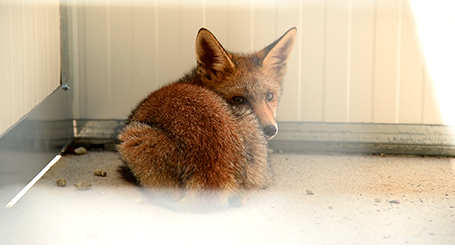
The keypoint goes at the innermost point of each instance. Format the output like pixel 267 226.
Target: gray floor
pixel 315 199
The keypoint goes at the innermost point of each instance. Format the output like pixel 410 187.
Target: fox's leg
pixel 240 199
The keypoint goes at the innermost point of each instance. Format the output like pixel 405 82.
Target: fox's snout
pixel 270 131
pixel 266 116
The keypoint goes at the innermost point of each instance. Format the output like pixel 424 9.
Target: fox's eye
pixel 239 100
pixel 269 97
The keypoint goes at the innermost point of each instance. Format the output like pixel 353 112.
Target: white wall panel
pixel 191 20
pixel 121 56
pixel 411 73
pixel 239 25
pixel 361 61
pixel 216 14
pixel 354 60
pixel 336 60
pixel 311 34
pixel 386 55
pixel 29 56
pixel 264 23
pixel 288 15
pixel 431 113
pixel 97 62
pixel 169 40
pixel 145 47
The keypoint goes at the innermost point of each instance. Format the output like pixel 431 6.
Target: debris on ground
pixel 99 172
pixel 80 151
pixel 82 185
pixel 61 182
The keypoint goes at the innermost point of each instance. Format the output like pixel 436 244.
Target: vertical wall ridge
pixel 354 61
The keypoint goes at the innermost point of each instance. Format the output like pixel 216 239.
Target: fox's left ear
pixel 275 56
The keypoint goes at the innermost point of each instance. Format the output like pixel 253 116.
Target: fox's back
pixel 198 120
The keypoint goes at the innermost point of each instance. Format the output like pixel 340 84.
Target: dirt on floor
pixel 315 199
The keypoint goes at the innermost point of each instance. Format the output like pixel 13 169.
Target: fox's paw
pixel 239 200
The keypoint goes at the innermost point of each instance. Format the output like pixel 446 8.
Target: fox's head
pixel 249 80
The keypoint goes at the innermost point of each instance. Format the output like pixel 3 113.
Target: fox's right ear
pixel 275 56
pixel 213 62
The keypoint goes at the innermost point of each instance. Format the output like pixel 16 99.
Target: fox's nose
pixel 270 131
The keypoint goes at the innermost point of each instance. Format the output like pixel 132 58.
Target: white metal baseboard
pixel 34 141
pixel 370 138
pixel 326 137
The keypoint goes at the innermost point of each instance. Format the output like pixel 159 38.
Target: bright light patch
pixel 435 23
pixel 33 181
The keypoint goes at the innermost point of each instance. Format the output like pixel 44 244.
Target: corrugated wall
pixel 354 61
pixel 29 56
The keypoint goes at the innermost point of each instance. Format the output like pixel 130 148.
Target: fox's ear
pixel 213 62
pixel 275 56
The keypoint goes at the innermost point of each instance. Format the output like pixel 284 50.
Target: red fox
pixel 203 139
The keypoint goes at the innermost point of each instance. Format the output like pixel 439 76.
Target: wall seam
pixel 373 66
pixel 299 72
pixel 348 63
pixel 324 63
pixel 398 80
pixel 108 48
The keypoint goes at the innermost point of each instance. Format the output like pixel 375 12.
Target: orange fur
pixel 204 138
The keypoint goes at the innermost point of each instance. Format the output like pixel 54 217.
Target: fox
pixel 203 140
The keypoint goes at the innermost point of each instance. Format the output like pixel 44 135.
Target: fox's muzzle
pixel 266 117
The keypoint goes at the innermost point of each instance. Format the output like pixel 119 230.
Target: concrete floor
pixel 315 199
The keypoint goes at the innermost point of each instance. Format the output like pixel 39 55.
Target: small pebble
pixel 394 201
pixel 377 200
pixel 61 182
pixel 82 185
pixel 80 151
pixel 99 172
pixel 309 192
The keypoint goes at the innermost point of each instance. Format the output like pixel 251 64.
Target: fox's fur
pixel 203 139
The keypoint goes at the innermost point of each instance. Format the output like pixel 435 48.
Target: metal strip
pixel 34 141
pixel 365 138
pixel 98 129
pixel 326 137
